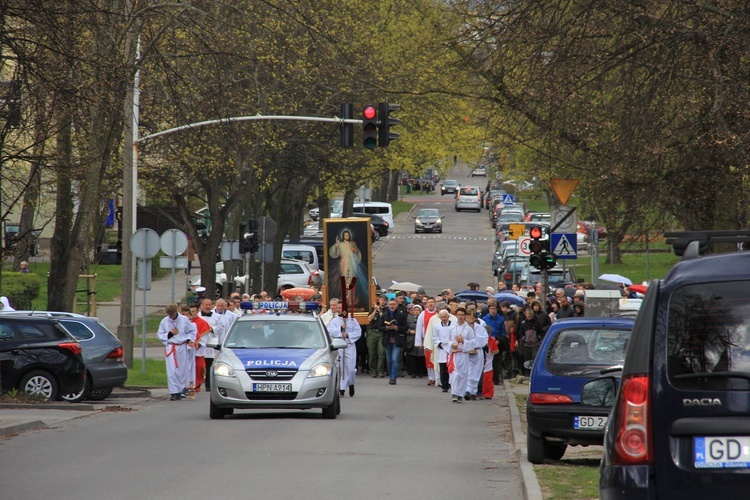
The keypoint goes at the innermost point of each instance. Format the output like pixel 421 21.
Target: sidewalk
pixel 17 418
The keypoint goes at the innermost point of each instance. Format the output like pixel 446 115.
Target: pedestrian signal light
pixel 370 127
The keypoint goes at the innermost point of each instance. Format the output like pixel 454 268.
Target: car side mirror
pixel 413 216
pixel 599 392
pixel 338 344
pixel 213 344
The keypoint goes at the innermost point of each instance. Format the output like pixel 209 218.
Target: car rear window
pixel 469 192
pixel 78 329
pixel 579 352
pixel 708 336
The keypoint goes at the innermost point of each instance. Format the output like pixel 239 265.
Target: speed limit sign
pixel 523 245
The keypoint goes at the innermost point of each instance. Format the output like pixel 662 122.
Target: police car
pixel 277 355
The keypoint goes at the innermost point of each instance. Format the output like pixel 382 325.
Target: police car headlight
pixel 223 370
pixel 321 370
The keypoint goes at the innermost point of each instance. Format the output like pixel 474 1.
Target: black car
pixel 679 426
pixel 380 224
pixel 101 350
pixel 39 356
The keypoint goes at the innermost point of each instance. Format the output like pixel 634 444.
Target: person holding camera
pixel 375 347
pixel 393 326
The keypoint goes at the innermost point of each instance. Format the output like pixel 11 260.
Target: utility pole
pixel 126 328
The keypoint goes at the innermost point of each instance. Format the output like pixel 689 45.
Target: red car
pixel 583 227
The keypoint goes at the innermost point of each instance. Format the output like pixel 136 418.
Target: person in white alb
pixel 424 338
pixel 175 332
pixel 442 332
pixel 333 310
pixel 462 342
pixel 348 329
pixel 476 356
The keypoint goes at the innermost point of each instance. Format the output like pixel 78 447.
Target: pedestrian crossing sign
pixel 508 199
pixel 564 245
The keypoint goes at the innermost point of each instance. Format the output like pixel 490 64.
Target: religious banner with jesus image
pixel 348 253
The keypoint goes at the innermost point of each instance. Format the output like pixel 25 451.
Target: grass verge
pixel 155 376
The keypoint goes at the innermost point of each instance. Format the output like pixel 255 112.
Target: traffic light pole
pixel 192 126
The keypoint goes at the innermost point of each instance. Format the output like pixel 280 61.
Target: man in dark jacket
pixel 530 336
pixel 566 310
pixel 393 326
pixel 496 322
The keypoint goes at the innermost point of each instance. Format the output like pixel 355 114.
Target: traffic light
pixel 370 127
pixel 347 129
pixel 536 247
pixel 249 236
pixel 385 136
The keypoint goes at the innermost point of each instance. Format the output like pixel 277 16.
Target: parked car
pixel 513 270
pixel 38 355
pixel 221 281
pixel 314 213
pixel 491 195
pixel 282 361
pixel 292 274
pixel 679 424
pixel 573 352
pixel 449 186
pixel 103 355
pixel 381 225
pixel 469 198
pixel 428 219
pixel 558 278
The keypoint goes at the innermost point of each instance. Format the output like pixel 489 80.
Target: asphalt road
pixel 406 440
pixel 460 254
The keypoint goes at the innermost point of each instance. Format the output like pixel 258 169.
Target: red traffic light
pixel 535 232
pixel 369 112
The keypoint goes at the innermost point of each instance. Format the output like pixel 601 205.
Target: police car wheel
pixel 329 412
pixel 216 413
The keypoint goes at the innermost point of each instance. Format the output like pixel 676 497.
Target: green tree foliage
pixel 641 101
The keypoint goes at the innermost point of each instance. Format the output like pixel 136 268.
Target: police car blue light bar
pixel 279 306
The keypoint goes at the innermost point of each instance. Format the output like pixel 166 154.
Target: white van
pixel 306 253
pixel 385 210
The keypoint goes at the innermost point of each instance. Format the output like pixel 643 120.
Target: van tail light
pixel 73 347
pixel 310 280
pixel 634 439
pixel 115 355
pixel 542 398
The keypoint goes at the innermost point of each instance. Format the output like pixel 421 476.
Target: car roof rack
pixel 693 244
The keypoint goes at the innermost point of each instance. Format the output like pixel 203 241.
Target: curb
pixel 529 483
pixel 9 430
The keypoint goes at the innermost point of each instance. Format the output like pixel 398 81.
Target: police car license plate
pixel 589 423
pixel 723 452
pixel 272 387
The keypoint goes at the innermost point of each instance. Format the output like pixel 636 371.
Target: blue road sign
pixel 508 199
pixel 564 245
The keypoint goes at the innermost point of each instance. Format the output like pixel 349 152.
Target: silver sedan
pixel 428 219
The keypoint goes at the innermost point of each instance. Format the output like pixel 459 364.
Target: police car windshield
pixel 275 334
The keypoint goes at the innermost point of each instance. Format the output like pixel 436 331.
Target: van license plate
pixel 725 452
pixel 589 423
